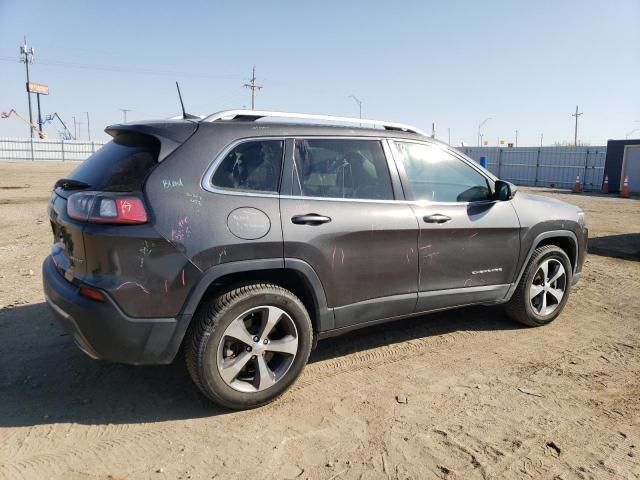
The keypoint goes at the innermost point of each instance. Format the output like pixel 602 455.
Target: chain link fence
pixel 544 166
pixel 36 149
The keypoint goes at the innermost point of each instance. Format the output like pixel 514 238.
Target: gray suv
pixel 244 240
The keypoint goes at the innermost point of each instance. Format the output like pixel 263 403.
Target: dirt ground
pixel 485 398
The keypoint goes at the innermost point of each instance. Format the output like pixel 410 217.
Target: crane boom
pixel 64 133
pixel 8 114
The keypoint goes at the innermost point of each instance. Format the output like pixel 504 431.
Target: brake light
pixel 106 208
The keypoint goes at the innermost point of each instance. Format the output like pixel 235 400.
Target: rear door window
pixel 341 168
pixel 122 165
pixel 252 166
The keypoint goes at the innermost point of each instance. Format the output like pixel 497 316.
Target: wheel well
pixel 292 280
pixel 566 244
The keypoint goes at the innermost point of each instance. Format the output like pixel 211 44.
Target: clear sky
pixel 525 64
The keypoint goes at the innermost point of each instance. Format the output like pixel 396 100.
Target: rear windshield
pixel 121 165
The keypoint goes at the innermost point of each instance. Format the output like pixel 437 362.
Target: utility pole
pixel 541 135
pixel 359 102
pixel 26 57
pixel 75 128
pixel 124 112
pixel 449 134
pixel 39 114
pixel 80 130
pixel 575 133
pixel 253 87
pixel 88 126
pixel 516 138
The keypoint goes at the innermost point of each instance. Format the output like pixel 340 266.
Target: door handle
pixel 436 218
pixel 310 219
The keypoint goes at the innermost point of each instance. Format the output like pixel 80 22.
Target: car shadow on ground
pixel 625 246
pixel 45 379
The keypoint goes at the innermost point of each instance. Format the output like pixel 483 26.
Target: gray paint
pixel 373 261
pixel 248 223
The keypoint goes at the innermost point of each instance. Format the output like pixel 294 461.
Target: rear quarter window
pixel 122 165
pixel 252 166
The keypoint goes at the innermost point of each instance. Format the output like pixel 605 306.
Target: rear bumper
pixel 102 330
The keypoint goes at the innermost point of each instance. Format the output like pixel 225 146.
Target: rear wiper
pixel 71 184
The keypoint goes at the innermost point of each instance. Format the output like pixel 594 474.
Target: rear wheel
pixel 247 346
pixel 543 289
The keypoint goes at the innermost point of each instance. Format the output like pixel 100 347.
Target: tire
pixel 227 363
pixel 526 306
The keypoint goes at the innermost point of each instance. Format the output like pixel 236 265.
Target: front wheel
pixel 543 289
pixel 246 347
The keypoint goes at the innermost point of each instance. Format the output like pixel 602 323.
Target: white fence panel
pixel 36 149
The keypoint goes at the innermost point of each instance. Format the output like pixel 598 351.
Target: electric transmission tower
pixel 253 87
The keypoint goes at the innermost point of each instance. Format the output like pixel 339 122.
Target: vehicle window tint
pixel 252 166
pixel 341 168
pixel 121 165
pixel 435 174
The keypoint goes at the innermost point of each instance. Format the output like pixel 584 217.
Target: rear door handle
pixel 436 218
pixel 310 219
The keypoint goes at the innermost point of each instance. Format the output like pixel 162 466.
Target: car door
pixel 469 242
pixel 342 214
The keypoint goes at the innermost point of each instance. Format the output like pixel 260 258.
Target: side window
pixel 435 174
pixel 251 166
pixel 341 168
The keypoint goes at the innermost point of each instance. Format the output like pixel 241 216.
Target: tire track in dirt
pixel 101 452
pixel 374 358
pixel 100 441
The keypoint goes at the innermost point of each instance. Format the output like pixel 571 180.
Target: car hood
pixel 547 206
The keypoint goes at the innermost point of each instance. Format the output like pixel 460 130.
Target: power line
pixel 118 69
pixel 253 87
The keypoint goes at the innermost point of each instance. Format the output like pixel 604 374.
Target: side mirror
pixel 504 190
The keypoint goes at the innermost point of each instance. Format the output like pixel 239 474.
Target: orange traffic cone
pixel 576 186
pixel 605 185
pixel 624 193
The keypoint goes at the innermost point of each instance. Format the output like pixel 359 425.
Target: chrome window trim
pixel 206 184
pixel 331 199
pixel 206 181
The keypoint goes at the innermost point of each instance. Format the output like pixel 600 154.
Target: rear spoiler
pixel 170 133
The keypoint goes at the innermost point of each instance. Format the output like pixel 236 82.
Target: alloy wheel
pixel 548 287
pixel 257 349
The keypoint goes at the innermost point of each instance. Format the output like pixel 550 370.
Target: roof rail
pixel 253 115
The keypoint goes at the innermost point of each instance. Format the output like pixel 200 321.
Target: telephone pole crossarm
pixel 575 132
pixel 253 87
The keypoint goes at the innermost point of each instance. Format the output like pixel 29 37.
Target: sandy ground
pixel 485 398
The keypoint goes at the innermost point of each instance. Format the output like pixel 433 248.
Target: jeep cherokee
pixel 244 239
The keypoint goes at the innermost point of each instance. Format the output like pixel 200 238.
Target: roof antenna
pixel 185 115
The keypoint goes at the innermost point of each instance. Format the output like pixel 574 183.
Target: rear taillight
pixel 106 208
pixel 92 294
